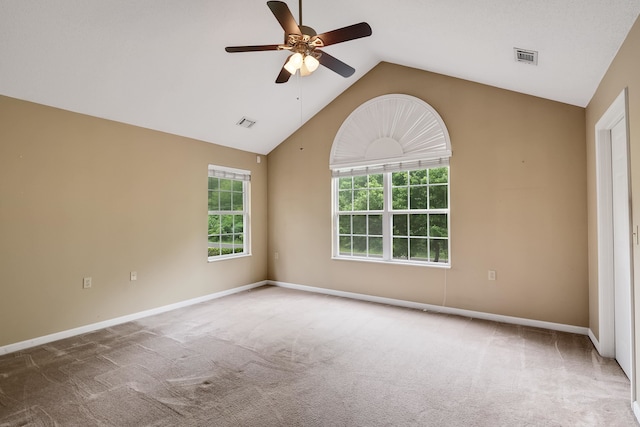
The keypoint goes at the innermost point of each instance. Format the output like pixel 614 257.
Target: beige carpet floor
pixel 278 357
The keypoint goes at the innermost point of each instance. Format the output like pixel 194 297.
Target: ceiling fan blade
pixel 284 75
pixel 335 64
pixel 285 18
pixel 251 48
pixel 344 34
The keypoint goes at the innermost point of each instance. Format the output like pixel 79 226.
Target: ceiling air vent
pixel 526 56
pixel 246 123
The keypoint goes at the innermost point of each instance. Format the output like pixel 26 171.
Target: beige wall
pixel 623 72
pixel 518 202
pixel 81 196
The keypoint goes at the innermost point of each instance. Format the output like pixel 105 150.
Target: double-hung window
pixel 228 227
pixel 399 216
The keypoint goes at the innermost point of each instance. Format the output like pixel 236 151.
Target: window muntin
pixel 228 213
pixel 398 216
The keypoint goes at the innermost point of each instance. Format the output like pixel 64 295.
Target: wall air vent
pixel 246 123
pixel 526 56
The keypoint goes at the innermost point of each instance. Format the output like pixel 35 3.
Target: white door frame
pixel 604 199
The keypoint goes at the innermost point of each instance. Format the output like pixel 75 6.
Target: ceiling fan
pixel 305 44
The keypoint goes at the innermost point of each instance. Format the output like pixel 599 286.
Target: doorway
pixel 615 271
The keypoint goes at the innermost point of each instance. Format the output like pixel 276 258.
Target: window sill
pixel 393 262
pixel 226 257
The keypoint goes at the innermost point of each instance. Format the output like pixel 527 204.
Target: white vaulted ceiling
pixel 161 64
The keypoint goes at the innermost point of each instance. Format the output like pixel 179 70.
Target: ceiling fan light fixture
pixel 311 63
pixel 304 70
pixel 290 67
pixel 294 63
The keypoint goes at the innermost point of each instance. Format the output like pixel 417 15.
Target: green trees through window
pixel 360 206
pixel 398 215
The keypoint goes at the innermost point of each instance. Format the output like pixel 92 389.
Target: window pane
pixel 418 249
pixel 399 178
pixel 226 240
pixel 237 186
pixel 375 225
pixel 376 199
pixel 345 202
pixel 438 197
pixel 375 180
pixel 360 200
pixel 418 225
pixel 375 247
pixel 439 250
pixel 438 225
pixel 238 246
pixel 226 184
pixel 359 245
pixel 237 200
pixel 213 183
pixel 418 177
pixel 213 246
pixel 344 224
pixel 399 197
pixel 418 198
pixel 360 181
pixel 400 248
pixel 438 175
pixel 345 245
pixel 214 224
pixel 400 225
pixel 226 224
pixel 359 224
pixel 214 203
pixel 225 201
pixel 345 183
pixel 238 224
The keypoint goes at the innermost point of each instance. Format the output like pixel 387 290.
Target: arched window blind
pixel 390 133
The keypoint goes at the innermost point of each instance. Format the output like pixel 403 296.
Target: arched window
pixel 390 171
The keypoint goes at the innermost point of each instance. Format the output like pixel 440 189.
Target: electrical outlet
pixel 492 275
pixel 133 276
pixel 86 282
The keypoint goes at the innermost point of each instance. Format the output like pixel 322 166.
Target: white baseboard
pixel 636 410
pixel 595 341
pixel 382 300
pixel 123 319
pixel 439 309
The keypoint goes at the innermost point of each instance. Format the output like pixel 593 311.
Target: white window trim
pixel 238 175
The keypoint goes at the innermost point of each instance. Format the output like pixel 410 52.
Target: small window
pixel 228 227
pixel 400 216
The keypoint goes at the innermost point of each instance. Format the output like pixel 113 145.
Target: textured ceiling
pixel 161 64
